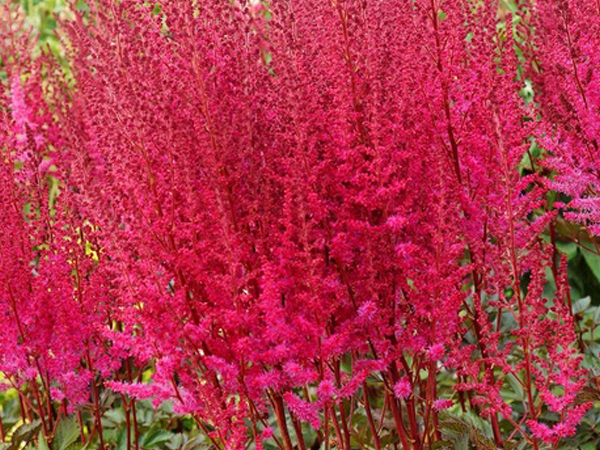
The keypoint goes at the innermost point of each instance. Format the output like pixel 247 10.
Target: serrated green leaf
pixel 77 446
pixel 113 417
pixel 176 442
pixel 462 443
pixel 587 394
pixel 194 443
pixel 154 437
pixel 67 433
pixel 454 425
pixel 24 434
pixel 110 435
pixel 122 439
pixel 42 443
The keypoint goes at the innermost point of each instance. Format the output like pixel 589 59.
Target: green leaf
pixel 597 315
pixel 176 442
pixel 462 443
pixel 516 387
pixel 593 262
pixel 587 394
pixel 550 286
pixel 122 439
pixel 197 442
pixel 154 437
pixel 581 305
pixel 570 249
pixel 67 433
pixel 42 444
pixel 77 446
pixel 454 425
pixel 110 435
pixel 113 417
pixel 24 434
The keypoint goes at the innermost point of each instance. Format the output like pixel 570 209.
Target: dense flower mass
pixel 306 210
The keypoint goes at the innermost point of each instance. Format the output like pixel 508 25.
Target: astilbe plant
pixel 564 66
pixel 55 304
pixel 306 210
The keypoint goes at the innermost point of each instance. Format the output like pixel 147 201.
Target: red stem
pixel 281 421
pixel 2 433
pixel 336 427
pixel 96 399
pixel 133 409
pixel 370 417
pixel 127 420
pixel 298 431
pixel 399 424
pixel 344 424
pixel 40 409
pixel 81 431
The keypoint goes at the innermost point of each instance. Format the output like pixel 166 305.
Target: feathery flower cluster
pixel 565 68
pixel 301 209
